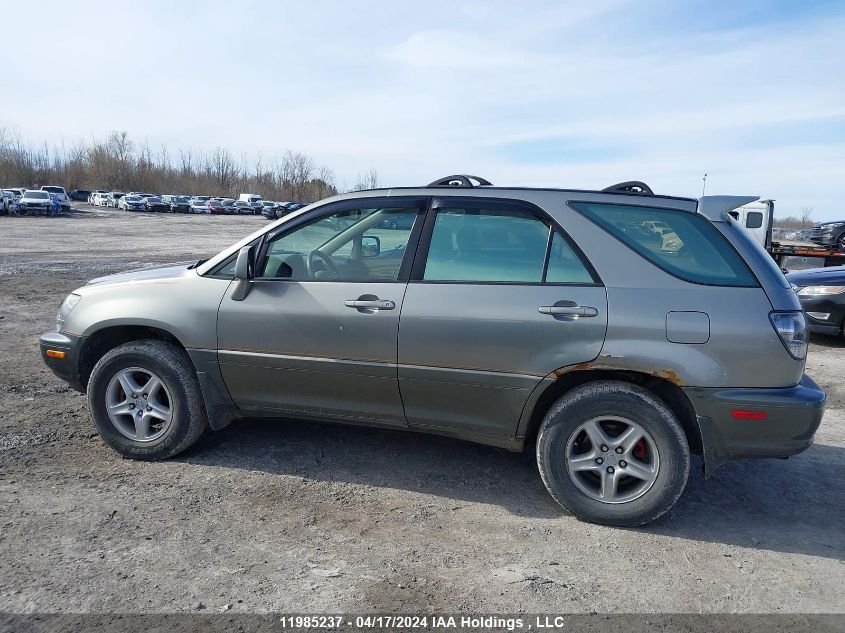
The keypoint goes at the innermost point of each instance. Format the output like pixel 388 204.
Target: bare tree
pixel 806 217
pixel 119 163
pixel 367 180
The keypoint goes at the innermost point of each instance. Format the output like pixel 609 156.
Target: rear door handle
pixel 371 304
pixel 579 311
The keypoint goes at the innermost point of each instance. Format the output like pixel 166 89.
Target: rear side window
pixel 683 244
pixel 499 245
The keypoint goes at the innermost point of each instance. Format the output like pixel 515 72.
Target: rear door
pixel 498 298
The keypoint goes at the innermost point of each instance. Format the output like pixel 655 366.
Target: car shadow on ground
pixel 790 506
pixel 822 340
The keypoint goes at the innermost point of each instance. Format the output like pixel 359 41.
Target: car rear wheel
pixel 613 453
pixel 146 401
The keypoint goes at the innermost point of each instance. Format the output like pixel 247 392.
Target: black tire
pixel 173 366
pixel 610 398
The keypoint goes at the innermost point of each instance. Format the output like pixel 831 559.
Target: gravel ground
pixel 267 516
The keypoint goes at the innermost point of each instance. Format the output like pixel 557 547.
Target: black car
pixel 284 208
pixel 180 204
pixel 822 295
pixel 154 203
pixel 80 195
pixel 829 233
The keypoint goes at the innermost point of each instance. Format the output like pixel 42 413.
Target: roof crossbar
pixel 460 180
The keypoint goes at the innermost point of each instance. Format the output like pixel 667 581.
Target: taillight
pixel 792 328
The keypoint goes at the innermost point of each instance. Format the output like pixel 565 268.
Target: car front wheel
pixel 613 453
pixel 146 401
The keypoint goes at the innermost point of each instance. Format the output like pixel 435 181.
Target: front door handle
pixel 370 304
pixel 577 311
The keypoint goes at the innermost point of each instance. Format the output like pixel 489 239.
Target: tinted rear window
pixel 683 244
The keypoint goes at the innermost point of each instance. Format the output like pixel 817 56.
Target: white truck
pixel 253 200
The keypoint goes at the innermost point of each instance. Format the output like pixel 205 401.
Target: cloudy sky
pixel 578 94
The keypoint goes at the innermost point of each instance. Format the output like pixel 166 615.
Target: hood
pixel 170 271
pixel 832 276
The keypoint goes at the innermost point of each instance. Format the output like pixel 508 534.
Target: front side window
pixel 366 244
pixel 683 244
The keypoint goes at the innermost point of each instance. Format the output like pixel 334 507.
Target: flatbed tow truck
pixel 758 219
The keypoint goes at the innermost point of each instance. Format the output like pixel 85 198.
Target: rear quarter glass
pixel 683 244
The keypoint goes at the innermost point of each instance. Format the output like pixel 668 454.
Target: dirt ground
pixel 269 516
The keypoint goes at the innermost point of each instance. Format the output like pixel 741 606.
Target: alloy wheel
pixel 612 459
pixel 139 404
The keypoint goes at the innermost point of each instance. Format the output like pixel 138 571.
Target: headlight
pixel 64 311
pixel 821 291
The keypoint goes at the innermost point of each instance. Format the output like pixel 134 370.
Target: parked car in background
pixel 91 196
pixel 269 209
pixel 131 202
pixel 178 203
pixel 7 201
pixel 288 207
pixel 243 208
pixel 114 198
pixel 80 195
pixel 100 199
pixel 829 233
pixel 55 204
pixel 155 203
pixel 229 205
pixel 61 196
pixel 551 319
pixel 217 207
pixel 35 201
pixel 822 295
pixel 199 206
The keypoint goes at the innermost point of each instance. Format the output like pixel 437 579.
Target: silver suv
pixel 616 332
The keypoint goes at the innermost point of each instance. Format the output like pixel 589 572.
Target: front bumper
pixel 792 416
pixel 66 368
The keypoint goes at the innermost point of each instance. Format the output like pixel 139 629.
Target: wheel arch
pixel 664 387
pixel 98 343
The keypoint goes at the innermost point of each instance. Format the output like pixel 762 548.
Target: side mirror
pixel 370 246
pixel 244 272
pixel 244 264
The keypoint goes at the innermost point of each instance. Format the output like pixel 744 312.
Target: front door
pixel 498 299
pixel 317 333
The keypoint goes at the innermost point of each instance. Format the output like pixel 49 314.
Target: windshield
pixel 37 195
pixel 133 199
pixel 53 189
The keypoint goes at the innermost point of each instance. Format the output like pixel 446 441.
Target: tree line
pixel 119 164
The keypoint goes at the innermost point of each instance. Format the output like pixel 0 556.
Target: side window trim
pixel 417 271
pixel 398 202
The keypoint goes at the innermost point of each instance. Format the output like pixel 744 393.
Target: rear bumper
pixel 792 416
pixel 66 368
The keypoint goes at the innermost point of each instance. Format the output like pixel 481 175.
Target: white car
pixel 7 201
pixel 131 202
pixel 199 206
pixel 59 192
pixel 100 199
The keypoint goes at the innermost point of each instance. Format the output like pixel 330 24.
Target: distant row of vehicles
pixel 246 204
pixel 47 200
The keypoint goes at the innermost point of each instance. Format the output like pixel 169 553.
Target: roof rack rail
pixel 631 186
pixel 460 180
